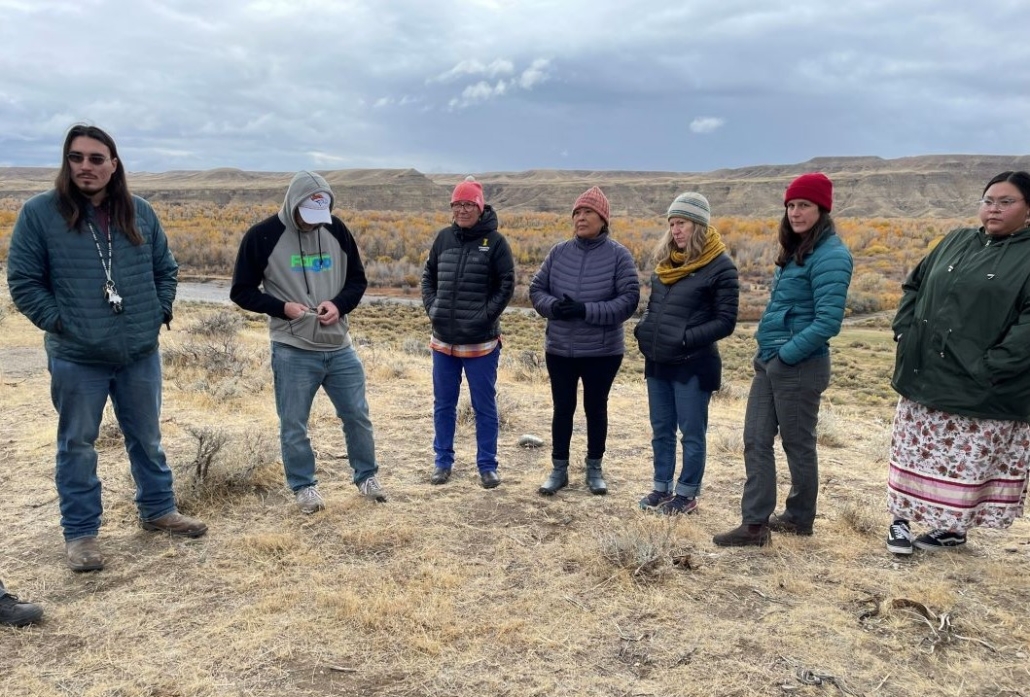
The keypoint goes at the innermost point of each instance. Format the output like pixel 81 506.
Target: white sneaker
pixel 371 490
pixel 309 500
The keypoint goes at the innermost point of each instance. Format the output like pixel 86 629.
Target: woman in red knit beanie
pixel 792 366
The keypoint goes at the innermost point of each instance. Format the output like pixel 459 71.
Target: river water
pixel 218 292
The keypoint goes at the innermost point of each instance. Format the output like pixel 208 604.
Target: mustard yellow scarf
pixel 677 266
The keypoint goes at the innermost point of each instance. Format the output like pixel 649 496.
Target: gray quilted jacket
pixel 600 273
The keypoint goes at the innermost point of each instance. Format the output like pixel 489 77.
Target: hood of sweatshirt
pixel 303 185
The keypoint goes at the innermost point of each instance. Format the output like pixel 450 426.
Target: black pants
pixel 598 374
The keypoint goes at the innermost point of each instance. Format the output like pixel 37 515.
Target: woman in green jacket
pixel 961 439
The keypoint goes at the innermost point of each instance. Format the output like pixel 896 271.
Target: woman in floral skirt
pixel 961 438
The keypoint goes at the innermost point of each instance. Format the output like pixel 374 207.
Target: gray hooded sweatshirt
pixel 279 263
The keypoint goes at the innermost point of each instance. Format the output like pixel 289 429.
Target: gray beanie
pixel 692 206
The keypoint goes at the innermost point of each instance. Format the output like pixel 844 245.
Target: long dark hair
pixel 797 247
pixel 1018 179
pixel 71 201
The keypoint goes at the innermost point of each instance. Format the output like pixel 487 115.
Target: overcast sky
pixel 494 85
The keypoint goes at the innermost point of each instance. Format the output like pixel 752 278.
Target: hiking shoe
pixel 371 490
pixel 755 535
pixel 781 523
pixel 679 505
pixel 655 499
pixel 84 554
pixel 176 523
pixel 309 500
pixel 940 539
pixel 15 613
pixel 899 537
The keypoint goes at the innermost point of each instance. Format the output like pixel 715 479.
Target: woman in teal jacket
pixel 792 366
pixel 961 439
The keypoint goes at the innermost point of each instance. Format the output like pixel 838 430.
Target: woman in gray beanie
pixel 695 293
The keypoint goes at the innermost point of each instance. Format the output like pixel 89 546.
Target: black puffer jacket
pixel 684 320
pixel 468 281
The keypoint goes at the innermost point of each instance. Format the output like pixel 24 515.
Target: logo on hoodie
pixel 311 262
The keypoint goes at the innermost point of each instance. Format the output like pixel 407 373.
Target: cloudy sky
pixel 493 85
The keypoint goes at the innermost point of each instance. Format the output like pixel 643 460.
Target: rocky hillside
pixel 929 186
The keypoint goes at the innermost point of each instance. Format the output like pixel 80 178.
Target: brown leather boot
pixel 176 523
pixel 782 523
pixel 84 554
pixel 744 536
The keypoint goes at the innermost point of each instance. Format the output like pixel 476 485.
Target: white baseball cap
pixel 316 209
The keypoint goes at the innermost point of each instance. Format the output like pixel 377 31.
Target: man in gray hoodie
pixel 301 267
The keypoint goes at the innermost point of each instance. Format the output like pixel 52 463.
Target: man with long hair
pixel 89 264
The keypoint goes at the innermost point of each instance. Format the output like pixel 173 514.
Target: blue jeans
pixel 783 399
pixel 298 373
pixel 682 405
pixel 482 376
pixel 79 392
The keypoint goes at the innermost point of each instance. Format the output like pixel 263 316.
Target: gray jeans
pixel 785 399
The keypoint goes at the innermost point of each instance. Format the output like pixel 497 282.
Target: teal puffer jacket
pixel 806 306
pixel 963 327
pixel 56 280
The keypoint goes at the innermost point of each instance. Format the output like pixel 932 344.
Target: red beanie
pixel 469 190
pixel 594 199
pixel 815 187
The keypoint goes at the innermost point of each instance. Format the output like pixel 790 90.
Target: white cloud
pixel 327 159
pixel 706 124
pixel 474 67
pixel 478 93
pixel 534 74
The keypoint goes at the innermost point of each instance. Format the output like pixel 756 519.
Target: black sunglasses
pixel 94 158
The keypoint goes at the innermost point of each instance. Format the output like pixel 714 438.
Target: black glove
pixel 573 309
pixel 560 310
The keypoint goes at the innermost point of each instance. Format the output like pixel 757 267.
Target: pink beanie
pixel 594 199
pixel 815 187
pixel 469 190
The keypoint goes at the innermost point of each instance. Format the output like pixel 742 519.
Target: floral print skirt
pixel 955 472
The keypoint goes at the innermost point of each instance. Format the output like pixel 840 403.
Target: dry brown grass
pixel 455 590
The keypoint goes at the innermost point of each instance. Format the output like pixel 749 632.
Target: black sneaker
pixel 17 613
pixel 899 537
pixel 654 500
pixel 940 539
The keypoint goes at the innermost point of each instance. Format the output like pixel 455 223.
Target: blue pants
pixel 298 373
pixel 682 405
pixel 79 392
pixel 482 377
pixel 784 399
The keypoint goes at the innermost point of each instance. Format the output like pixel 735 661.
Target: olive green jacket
pixel 963 327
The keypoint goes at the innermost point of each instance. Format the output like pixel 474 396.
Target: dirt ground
pixel 456 590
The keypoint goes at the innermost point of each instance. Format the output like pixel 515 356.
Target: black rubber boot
pixel 595 477
pixel 558 479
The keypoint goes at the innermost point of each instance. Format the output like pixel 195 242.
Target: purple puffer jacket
pixel 599 272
